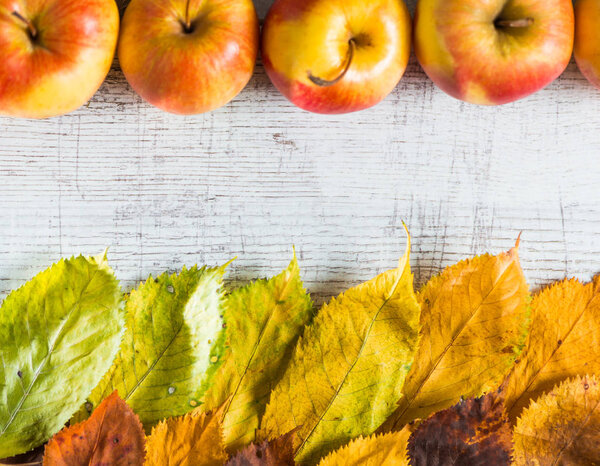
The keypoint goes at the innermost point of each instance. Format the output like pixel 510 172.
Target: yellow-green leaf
pixel 195 439
pixel 564 342
pixel 473 325
pixel 383 449
pixel 561 427
pixel 59 334
pixel 172 345
pixel 264 321
pixel 348 368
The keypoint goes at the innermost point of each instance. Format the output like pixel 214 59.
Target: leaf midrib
pixel 434 367
pixel 254 349
pixel 97 441
pixel 47 357
pixel 335 395
pixel 141 380
pixel 130 393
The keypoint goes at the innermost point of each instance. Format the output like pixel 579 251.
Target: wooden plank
pixel 258 176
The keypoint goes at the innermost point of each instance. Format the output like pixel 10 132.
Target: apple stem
pixel 326 83
pixel 514 23
pixel 31 28
pixel 188 25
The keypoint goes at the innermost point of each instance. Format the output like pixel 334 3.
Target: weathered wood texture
pixel 258 176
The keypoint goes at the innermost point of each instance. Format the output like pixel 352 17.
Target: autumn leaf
pixel 473 325
pixel 561 427
pixel 264 321
pixel 475 432
pixel 378 449
pixel 564 342
pixel 276 452
pixel 112 435
pixel 31 458
pixel 195 439
pixel 172 345
pixel 348 368
pixel 58 335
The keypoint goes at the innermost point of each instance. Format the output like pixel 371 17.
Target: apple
pixel 587 39
pixel 495 51
pixel 189 56
pixel 55 54
pixel 336 56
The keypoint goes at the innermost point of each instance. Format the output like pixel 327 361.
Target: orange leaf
pixel 474 319
pixel 195 439
pixel 378 449
pixel 561 427
pixel 112 435
pixel 564 342
pixel 473 432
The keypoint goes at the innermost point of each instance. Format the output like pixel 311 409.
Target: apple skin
pixel 460 48
pixel 587 39
pixel 302 37
pixel 66 63
pixel 195 72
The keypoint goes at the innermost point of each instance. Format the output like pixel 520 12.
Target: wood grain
pixel 258 176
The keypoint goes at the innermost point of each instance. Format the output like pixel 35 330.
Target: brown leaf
pixel 112 435
pixel 473 432
pixel 276 452
pixel 31 458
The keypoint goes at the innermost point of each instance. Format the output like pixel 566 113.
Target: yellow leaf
pixel 195 439
pixel 348 368
pixel 264 321
pixel 561 427
pixel 473 324
pixel 564 342
pixel 377 450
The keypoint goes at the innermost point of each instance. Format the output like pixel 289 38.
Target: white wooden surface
pixel 258 176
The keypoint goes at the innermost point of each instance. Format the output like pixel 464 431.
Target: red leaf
pixel 113 435
pixel 474 432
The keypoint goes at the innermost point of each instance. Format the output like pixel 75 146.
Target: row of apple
pixel 326 56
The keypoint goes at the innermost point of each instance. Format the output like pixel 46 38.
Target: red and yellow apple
pixel 587 39
pixel 336 56
pixel 55 54
pixel 494 51
pixel 189 56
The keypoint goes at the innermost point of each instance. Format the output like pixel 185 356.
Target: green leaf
pixel 172 345
pixel 348 369
pixel 264 321
pixel 59 334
